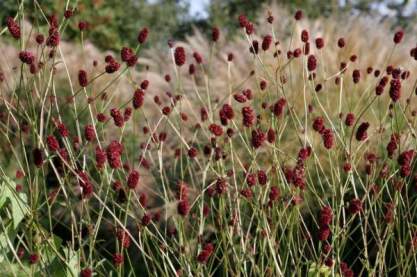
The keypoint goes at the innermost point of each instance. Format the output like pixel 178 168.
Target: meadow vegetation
pixel 287 150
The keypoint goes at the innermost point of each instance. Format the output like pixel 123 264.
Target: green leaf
pixel 57 267
pixel 316 270
pixel 18 201
pixel 15 270
pixel 4 237
pixel 73 261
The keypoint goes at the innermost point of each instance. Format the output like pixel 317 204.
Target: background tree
pixel 112 21
pixel 119 21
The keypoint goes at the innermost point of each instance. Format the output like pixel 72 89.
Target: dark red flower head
pixel 133 179
pixel 326 216
pixel 226 113
pixel 53 22
pixel 262 177
pixel 266 42
pixel 183 207
pixel 298 15
pixel 83 25
pixel 355 206
pixel 179 56
pixel 304 153
pixel 350 119
pixel 296 53
pixel 205 253
pixel 361 133
pixel 114 152
pixel 318 124
pixel 319 43
pixel 341 42
pixel 398 36
pixel 263 85
pixel 14 28
pixel 356 76
pixel 346 271
pixel 85 184
pixel 393 144
pixel 82 78
pixel 138 98
pixel 249 28
pixel 311 63
pixel 33 258
pixel 243 21
pixel 324 233
pixel 406 157
pixel 127 114
pixel 37 157
pixel 39 39
pixel 215 34
pixel 216 130
pixel 192 152
pixel 89 132
pixel 144 85
pixel 86 272
pixel 304 36
pixel 197 57
pixel 395 90
pixel 279 106
pixel 271 136
pixel 274 194
pixel 126 54
pixel 248 116
pixel 258 138
pixel 26 57
pixel 68 13
pixel 143 34
pixel 328 138
pixel 100 157
pixel 53 38
pixel 117 117
pixel 101 117
pixel 118 259
pixel 113 66
pixel 221 185
pixel 52 142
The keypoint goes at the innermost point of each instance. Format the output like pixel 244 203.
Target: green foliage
pixel 13 209
pixel 316 270
pixel 225 12
pixel 18 202
pixel 113 23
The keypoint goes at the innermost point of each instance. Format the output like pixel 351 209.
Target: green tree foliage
pixel 225 12
pixel 112 21
pixel 118 21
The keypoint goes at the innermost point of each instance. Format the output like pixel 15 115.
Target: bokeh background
pixel 117 21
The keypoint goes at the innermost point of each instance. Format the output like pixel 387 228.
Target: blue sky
pixel 197 7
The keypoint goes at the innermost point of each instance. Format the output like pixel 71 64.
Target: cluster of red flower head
pixel 182 196
pixel 205 254
pixel 296 175
pixel 326 133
